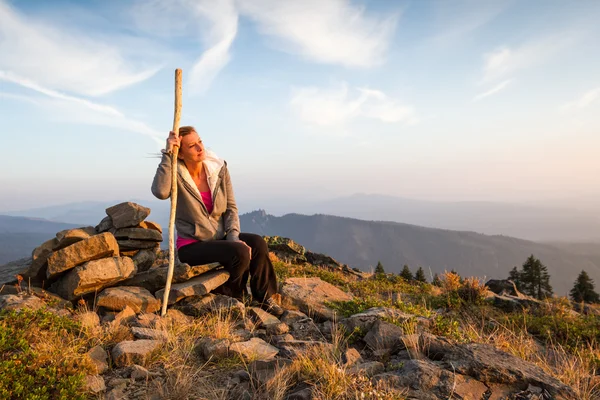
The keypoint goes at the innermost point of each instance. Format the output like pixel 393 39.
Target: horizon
pixel 432 101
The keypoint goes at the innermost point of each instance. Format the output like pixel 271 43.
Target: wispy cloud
pixel 501 86
pixel 505 61
pixel 210 24
pixel 331 32
pixel 78 110
pixel 338 105
pixel 456 20
pixel 63 59
pixel 585 100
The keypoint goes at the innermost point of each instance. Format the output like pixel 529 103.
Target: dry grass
pixel 321 368
pixel 574 368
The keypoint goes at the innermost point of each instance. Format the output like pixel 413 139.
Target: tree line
pixel 532 279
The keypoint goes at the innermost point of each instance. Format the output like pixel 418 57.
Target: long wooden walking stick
pixel 176 118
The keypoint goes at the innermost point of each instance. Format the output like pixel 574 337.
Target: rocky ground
pixel 345 334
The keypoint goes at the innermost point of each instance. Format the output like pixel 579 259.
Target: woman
pixel 207 221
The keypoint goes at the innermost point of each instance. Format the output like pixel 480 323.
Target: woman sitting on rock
pixel 207 221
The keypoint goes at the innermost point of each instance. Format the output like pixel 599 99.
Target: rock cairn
pixel 117 263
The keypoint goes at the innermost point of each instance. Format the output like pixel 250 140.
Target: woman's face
pixel 192 148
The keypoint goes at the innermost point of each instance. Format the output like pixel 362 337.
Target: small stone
pixel 291 316
pixel 126 244
pixel 214 349
pixel 254 349
pixel 277 328
pixel 105 225
pixel 124 317
pixel 99 358
pixel 116 394
pixel 369 368
pixel 277 339
pixel 94 384
pixel 134 352
pixel 240 335
pixel 70 236
pixel 261 317
pixel 146 320
pixel 146 333
pixel 127 214
pixel 302 394
pixel 138 234
pixel 150 225
pixel 144 259
pixel 351 357
pixel 242 375
pixel 198 286
pixel 138 372
pixel 138 298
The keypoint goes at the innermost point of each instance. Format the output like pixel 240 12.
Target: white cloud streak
pixel 505 61
pixel 330 32
pixel 65 60
pixel 79 110
pixel 584 101
pixel 212 24
pixel 336 106
pixel 496 89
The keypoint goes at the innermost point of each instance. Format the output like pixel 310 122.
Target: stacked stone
pixel 137 238
pixel 117 260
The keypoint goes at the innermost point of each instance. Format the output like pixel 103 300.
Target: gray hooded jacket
pixel 192 219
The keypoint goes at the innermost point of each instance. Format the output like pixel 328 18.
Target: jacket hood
pixel 213 165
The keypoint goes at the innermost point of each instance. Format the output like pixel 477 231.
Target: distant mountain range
pixel 363 243
pixel 537 223
pixel 20 235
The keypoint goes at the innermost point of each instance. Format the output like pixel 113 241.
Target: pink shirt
pixel 207 199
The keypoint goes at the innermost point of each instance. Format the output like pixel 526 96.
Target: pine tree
pixel 535 279
pixel 515 276
pixel 583 289
pixel 379 270
pixel 436 280
pixel 406 274
pixel 420 275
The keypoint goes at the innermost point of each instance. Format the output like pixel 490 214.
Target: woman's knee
pixel 240 254
pixel 257 243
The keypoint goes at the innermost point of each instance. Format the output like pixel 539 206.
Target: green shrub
pixel 36 360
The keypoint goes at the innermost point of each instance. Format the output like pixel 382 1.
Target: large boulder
pixel 128 214
pixel 93 276
pixel 93 248
pixel 490 365
pixel 198 286
pixel 310 296
pixel 139 299
pixel 19 302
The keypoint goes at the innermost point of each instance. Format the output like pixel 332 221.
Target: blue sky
pixel 438 100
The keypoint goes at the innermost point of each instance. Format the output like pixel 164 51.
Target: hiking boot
pixel 271 306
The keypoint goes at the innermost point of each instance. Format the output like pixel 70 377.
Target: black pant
pixel 234 256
